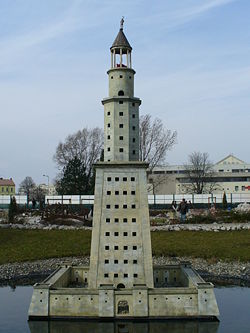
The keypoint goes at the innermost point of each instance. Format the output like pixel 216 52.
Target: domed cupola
pixel 121 50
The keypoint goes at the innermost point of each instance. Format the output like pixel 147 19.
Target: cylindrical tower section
pixel 121 108
pixel 121 82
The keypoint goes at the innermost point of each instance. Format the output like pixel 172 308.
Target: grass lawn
pixel 25 245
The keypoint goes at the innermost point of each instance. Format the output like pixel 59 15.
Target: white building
pixel 232 175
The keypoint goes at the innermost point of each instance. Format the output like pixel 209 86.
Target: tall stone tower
pixel 121 282
pixel 121 244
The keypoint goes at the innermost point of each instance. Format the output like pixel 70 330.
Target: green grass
pixel 25 245
pixel 226 245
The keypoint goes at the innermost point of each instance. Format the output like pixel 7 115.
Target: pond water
pixel 234 305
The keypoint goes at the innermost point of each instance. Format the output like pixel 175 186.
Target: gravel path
pixel 235 272
pixel 216 227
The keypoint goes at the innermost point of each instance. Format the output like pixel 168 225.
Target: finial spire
pixel 121 23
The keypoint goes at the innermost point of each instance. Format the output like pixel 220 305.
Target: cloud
pixel 189 14
pixel 171 18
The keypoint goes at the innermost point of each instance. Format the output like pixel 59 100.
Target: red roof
pixel 6 182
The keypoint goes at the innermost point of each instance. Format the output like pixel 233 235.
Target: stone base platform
pixel 179 293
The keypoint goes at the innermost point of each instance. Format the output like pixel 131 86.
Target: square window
pixel 108 124
pixel 133 192
pixel 121 150
pixel 106 261
pixel 133 233
pixel 125 220
pixel 125 206
pixel 125 247
pixel 107 247
pixel 130 77
pixel 116 275
pixel 133 219
pixel 116 233
pixel 124 179
pixel 117 179
pixel 109 179
pixel 116 220
pixel 125 192
pixel 125 233
pixel 125 275
pixel 133 115
pixel 106 275
pixel 108 206
pixel 121 138
pixel 134 247
pixel 108 192
pixel 121 125
pixel 120 102
pixel 116 206
pixel 115 261
pixel 107 233
pixel 133 206
pixel 116 192
pixel 133 139
pixel 134 261
pixel 135 275
pixel 108 113
pixel 116 247
pixel 125 261
pixel 133 128
pixel 121 114
pixel 108 149
pixel 107 220
pixel 132 179
pixel 108 137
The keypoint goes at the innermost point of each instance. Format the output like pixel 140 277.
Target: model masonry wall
pixel 173 302
pixel 196 300
pixel 123 251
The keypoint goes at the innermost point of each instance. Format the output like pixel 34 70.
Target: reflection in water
pixel 123 327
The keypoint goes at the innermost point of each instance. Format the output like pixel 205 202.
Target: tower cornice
pixel 121 98
pixel 131 70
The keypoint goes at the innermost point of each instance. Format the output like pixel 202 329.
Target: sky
pixel 192 62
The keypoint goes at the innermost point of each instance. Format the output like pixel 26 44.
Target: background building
pixel 7 186
pixel 231 175
pixel 48 189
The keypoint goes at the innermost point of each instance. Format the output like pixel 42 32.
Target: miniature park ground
pixel 19 245
pixel 28 245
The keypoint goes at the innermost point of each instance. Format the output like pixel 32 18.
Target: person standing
pixel 183 209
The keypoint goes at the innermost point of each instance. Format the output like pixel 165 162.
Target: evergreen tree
pixel 74 179
pixel 224 201
pixel 12 209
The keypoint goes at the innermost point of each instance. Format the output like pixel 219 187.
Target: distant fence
pixel 153 200
pixel 5 200
pixel 158 199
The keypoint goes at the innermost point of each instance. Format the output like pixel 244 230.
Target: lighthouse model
pixel 121 281
pixel 121 245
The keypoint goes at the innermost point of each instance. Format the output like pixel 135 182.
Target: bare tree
pixel 26 186
pixel 155 141
pixel 155 181
pixel 199 174
pixel 85 144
